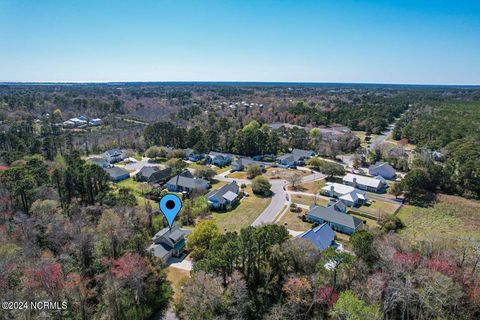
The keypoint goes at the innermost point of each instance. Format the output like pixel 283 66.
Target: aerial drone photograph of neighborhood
pixel 240 160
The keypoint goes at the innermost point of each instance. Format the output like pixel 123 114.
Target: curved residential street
pixel 280 197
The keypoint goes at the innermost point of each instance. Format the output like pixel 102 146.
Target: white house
pixel 375 184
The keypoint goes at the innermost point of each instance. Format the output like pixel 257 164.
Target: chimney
pixel 354 181
pixel 332 191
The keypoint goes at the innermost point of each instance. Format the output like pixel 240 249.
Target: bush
pixel 390 223
pixel 253 170
pixel 155 152
pixel 261 185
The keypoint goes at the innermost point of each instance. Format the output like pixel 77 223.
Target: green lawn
pixel 136 187
pixel 450 217
pixel 243 215
pixel 221 170
pixel 377 207
pixel 308 200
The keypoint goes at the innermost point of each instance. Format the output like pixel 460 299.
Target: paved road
pixel 279 199
pixel 381 138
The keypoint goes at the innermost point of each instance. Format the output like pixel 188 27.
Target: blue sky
pixel 433 42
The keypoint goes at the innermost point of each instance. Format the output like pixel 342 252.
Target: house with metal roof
pixel 223 197
pixel 186 182
pixel 382 169
pixel 168 243
pixel 152 174
pixel 117 174
pixel 374 184
pixel 349 195
pixel 338 221
pixel 321 236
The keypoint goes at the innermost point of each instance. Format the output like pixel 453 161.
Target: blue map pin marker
pixel 170 206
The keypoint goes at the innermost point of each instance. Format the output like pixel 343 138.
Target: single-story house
pixel 153 174
pixel 117 174
pixel 219 159
pixel 374 184
pixel 321 236
pixel 242 163
pixel 185 181
pixel 382 169
pixel 349 195
pixel 297 157
pixel 224 196
pixel 338 221
pixel 95 122
pixel 192 155
pixel 100 162
pixel 168 243
pixel 114 155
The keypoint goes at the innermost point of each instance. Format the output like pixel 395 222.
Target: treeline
pixel 370 113
pixel 458 174
pixel 262 273
pixel 436 125
pixel 453 129
pixel 252 139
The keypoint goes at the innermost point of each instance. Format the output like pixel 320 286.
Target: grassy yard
pixel 221 170
pixel 376 207
pixel 243 215
pixel 282 173
pixel 309 187
pixel 217 184
pixel 293 221
pixel 237 175
pixel 136 187
pixel 450 217
pixel 308 200
pixel 371 224
pixel 177 278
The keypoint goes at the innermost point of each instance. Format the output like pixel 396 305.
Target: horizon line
pixel 81 82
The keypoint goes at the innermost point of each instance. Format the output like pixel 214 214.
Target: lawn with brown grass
pixel 237 175
pixel 313 187
pixel 309 200
pixel 283 173
pixel 294 222
pixel 177 278
pixel 450 217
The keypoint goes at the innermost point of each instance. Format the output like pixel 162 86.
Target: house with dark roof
pixel 114 155
pixel 227 195
pixel 296 158
pixel 101 162
pixel 168 243
pixel 321 236
pixel 382 169
pixel 242 163
pixel 338 221
pixel 186 182
pixel 153 174
pixel 219 159
pixel 193 156
pixel 117 174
